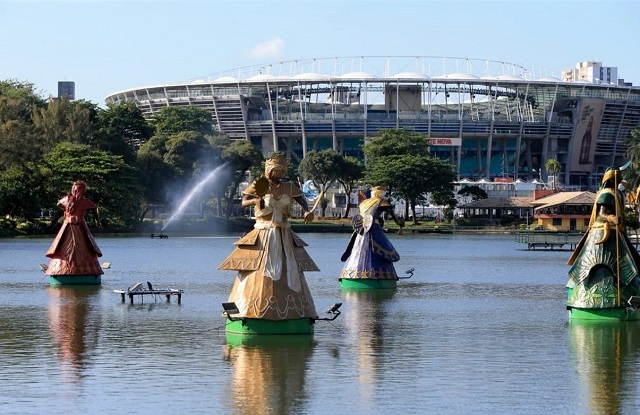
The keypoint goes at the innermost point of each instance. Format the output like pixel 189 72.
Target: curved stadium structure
pixel 489 118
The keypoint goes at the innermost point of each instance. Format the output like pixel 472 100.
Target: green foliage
pixel 153 174
pixel 632 174
pixel 241 156
pixel 18 143
pixel 187 152
pixel 18 100
pixel 400 160
pixel 174 159
pixel 21 191
pixel 218 142
pixel 396 141
pixel 475 192
pixel 444 197
pixel 323 167
pixel 110 181
pixel 125 120
pixel 173 120
pixel 553 167
pixel 46 145
pixel 631 220
pixel 62 120
pixel 350 172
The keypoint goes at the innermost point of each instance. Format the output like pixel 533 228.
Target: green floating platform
pixel 255 326
pixel 75 280
pixel 270 341
pixel 604 314
pixel 367 284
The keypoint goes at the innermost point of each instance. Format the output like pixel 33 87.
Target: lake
pixel 480 328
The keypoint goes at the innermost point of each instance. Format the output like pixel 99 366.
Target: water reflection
pixel 365 323
pixel 605 355
pixel 268 373
pixel 72 327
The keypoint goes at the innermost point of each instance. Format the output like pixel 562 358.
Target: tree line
pixel 132 164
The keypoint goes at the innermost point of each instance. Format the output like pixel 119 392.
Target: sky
pixel 109 46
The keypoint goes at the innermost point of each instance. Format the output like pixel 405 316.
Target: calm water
pixel 480 329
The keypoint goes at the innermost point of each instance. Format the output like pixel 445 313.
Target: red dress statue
pixel 74 252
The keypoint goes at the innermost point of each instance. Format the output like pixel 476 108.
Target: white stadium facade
pixel 489 118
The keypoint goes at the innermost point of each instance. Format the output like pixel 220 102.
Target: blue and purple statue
pixel 370 254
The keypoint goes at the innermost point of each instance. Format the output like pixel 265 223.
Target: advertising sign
pixel 455 142
pixel 585 134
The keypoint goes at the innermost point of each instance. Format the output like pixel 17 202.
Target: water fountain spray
pixel 197 188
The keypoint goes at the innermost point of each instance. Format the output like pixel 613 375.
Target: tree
pixel 173 120
pixel 445 198
pixel 322 167
pixel 397 141
pixel 22 194
pixel 241 156
pixel 169 163
pixel 110 180
pixel 474 192
pixel 632 174
pixel 18 100
pixel 553 167
pixel 125 120
pixel 62 120
pixel 18 142
pixel 412 177
pixel 351 170
pixel 188 152
pixel 153 176
pixel 399 159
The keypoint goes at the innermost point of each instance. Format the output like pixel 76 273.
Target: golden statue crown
pixel 277 160
pixel 610 174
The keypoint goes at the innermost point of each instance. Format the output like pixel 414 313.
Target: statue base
pixel 276 340
pixel 604 314
pixel 56 280
pixel 367 284
pixel 255 326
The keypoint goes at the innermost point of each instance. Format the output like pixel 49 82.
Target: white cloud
pixel 270 49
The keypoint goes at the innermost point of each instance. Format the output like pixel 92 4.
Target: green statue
pixel 604 265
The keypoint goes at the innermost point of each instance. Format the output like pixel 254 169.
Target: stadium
pixel 490 119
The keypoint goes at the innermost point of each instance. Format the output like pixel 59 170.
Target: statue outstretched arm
pixel 308 215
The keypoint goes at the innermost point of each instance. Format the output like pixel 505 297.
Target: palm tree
pixel 633 154
pixel 553 167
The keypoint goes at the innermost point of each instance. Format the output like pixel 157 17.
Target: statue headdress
pixel 611 173
pixel 79 187
pixel 378 190
pixel 276 161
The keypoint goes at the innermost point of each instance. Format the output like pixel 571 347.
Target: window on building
pixel 557 221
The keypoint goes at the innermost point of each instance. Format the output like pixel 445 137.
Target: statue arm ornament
pixel 249 196
pixel 97 217
pixel 388 208
pixel 605 213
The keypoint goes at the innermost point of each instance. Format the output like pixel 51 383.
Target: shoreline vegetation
pixel 213 224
